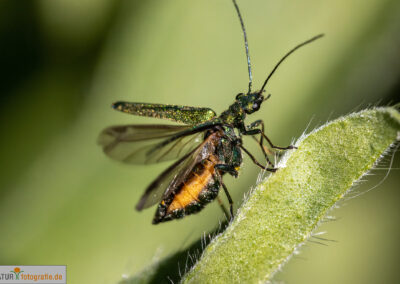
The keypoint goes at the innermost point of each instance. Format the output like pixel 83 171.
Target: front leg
pixel 252 128
pixel 256 162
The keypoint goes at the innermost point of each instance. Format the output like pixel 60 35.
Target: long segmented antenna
pixel 284 57
pixel 246 44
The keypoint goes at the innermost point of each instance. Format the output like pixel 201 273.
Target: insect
pixel 206 146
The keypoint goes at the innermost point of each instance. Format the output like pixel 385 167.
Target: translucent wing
pixel 140 144
pixel 171 178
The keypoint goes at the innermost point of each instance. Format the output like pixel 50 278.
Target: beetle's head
pixel 250 102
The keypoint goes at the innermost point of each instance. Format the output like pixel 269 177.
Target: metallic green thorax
pixel 234 115
pixel 244 104
pixel 183 114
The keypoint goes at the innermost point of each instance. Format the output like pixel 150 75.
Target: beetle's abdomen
pixel 192 188
pixel 198 189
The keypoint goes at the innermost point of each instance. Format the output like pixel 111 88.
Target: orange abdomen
pixel 201 176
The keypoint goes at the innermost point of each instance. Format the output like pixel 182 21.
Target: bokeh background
pixel 62 201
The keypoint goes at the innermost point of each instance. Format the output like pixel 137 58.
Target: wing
pixel 173 176
pixel 183 114
pixel 140 144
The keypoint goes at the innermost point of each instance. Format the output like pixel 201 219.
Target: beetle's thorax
pixel 234 115
pixel 244 104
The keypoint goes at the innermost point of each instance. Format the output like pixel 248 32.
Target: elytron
pixel 206 146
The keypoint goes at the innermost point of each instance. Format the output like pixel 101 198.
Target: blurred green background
pixel 62 201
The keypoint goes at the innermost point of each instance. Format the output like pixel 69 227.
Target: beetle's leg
pixel 260 143
pixel 253 126
pixel 265 149
pixel 252 130
pixel 223 208
pixel 256 162
pixel 226 193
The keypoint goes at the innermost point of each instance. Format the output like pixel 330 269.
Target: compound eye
pixel 256 106
pixel 239 95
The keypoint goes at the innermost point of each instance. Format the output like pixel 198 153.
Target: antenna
pixel 286 56
pixel 246 44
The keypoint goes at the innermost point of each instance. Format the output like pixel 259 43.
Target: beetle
pixel 206 146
